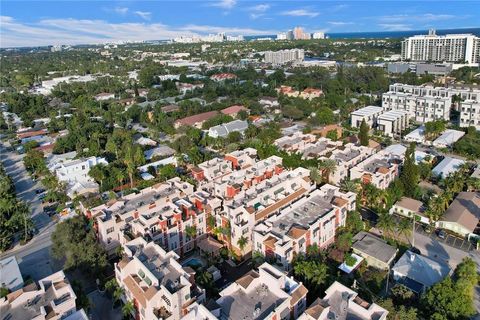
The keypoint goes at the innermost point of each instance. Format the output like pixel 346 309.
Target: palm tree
pixel 191 232
pixel 315 175
pixel 242 243
pixel 473 184
pixel 97 172
pixel 385 223
pixel 350 185
pixel 327 167
pixel 128 309
pixel 405 228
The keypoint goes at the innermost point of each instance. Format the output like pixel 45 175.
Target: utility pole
pixel 413 231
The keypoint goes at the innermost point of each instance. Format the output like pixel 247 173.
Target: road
pixel 34 257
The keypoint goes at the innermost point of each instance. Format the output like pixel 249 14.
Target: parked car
pixel 441 234
pixel 427 229
pixel 39 191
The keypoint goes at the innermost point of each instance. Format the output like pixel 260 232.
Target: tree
pixel 410 176
pixel 348 185
pixel 75 243
pixel 363 134
pixel 242 243
pixel 327 167
pixel 344 241
pixel 312 272
pixel 386 223
pixel 405 228
pixel 315 175
pixel 128 309
pixel 98 174
pixel 191 232
pixel 400 313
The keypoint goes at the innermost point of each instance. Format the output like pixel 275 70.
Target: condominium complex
pixel 155 281
pixel 368 114
pixel 284 56
pixel 52 298
pixel 393 122
pixel 161 213
pixel 312 220
pixel 380 169
pixel 470 114
pixel 266 294
pixel 341 302
pixel 308 145
pixel 457 48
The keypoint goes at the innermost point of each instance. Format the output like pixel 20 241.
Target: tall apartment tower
pixel 455 48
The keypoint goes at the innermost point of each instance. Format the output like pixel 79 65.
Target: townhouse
pixel 392 122
pixel 368 114
pixel 380 169
pixel 51 298
pixel 312 220
pixel 162 213
pixel 308 145
pixel 470 114
pixel 347 157
pixel 156 283
pixel 266 294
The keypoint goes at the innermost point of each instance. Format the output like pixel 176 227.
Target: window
pixel 110 230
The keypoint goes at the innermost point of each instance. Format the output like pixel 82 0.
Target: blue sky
pixel 28 23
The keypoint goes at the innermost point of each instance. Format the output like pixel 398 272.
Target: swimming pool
pixel 193 262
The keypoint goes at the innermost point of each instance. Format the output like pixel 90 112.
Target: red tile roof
pixel 233 109
pixel 192 120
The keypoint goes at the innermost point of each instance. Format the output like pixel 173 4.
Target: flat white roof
pixel 392 115
pixel 10 275
pixel 447 166
pixel 449 137
pixel 367 111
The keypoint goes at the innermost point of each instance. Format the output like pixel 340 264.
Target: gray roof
pixel 374 247
pixel 234 126
pixel 421 269
pixel 160 151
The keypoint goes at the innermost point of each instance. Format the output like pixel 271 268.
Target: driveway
pixel 101 307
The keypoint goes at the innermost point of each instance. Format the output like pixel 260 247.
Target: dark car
pixel 441 234
pixel 39 191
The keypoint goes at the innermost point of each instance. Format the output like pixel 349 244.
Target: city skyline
pixel 28 23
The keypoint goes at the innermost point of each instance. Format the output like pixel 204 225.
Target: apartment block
pixel 380 169
pixel 456 48
pixel 155 282
pixel 369 114
pixel 52 298
pixel 420 108
pixel 259 201
pixel 266 294
pixel 464 92
pixel 341 302
pixel 284 56
pixel 308 145
pixel 311 220
pixel 346 157
pixel 160 213
pixel 392 122
pixel 470 114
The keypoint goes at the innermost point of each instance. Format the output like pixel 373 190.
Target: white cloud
pixel 260 7
pixel 121 10
pixel 224 4
pixel 145 15
pixel 76 31
pixel 340 23
pixel 300 13
pixel 416 17
pixel 395 26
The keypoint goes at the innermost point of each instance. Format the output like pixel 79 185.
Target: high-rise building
pixel 284 56
pixel 457 48
pixel 298 34
pixel 282 36
pixel 318 35
pixel 290 35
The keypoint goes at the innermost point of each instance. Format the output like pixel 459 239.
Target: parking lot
pixel 450 240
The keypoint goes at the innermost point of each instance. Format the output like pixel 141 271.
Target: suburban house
pixel 418 272
pixel 447 166
pixel 409 208
pixel 341 302
pixel 448 138
pixel 377 252
pixel 222 130
pixel 233 110
pixel 104 96
pixel 463 214
pixel 195 120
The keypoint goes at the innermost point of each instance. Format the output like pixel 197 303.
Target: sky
pixel 35 23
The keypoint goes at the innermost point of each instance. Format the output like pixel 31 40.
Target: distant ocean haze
pixel 382 34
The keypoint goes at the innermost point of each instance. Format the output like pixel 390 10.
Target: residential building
pixel 299 34
pixel 269 102
pixel 170 108
pixel 470 114
pixel 420 108
pixel 380 169
pixel 377 252
pixel 161 151
pixel 223 76
pixel 223 130
pixel 347 157
pixel 417 135
pixel 161 213
pixel 284 56
pixel 392 122
pixel 318 35
pixel 369 114
pixel 183 88
pixel 104 96
pixel 324 130
pixel 154 280
pixel 307 145
pixel 266 294
pixel 233 110
pixel 447 166
pixel 287 91
pixel 456 48
pixel 341 302
pixel 311 220
pixel 418 272
pixel 464 92
pixel 448 138
pixel 311 93
pixel 75 174
pixel 197 311
pixel 52 298
pixel 10 275
pixel 462 216
pixel 195 120
pixel 410 208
